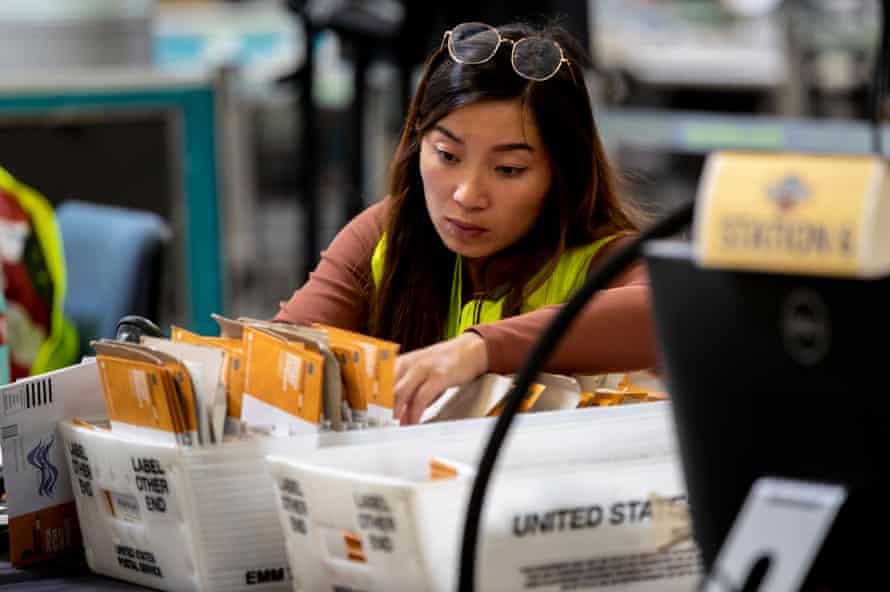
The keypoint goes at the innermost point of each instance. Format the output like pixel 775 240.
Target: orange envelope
pixel 358 384
pixel 316 341
pixel 534 391
pixel 283 382
pixel 233 372
pixel 588 399
pixel 641 393
pixel 148 394
pixel 381 362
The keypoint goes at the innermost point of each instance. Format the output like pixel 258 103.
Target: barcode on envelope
pixel 35 393
pixel 14 401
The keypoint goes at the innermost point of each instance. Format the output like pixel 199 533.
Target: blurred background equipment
pixel 86 119
pixel 60 34
pixel 256 128
pixel 750 7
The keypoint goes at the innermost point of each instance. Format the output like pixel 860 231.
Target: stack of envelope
pixel 259 377
pixel 369 367
pixel 255 377
pixel 233 372
pixel 486 396
pixel 154 394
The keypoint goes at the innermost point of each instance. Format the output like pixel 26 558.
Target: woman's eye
pixel 445 156
pixel 510 171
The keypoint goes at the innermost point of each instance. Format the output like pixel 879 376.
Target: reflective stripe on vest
pixel 568 275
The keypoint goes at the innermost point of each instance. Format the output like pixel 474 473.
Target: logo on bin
pixel 788 192
pixel 49 474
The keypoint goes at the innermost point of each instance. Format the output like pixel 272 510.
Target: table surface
pixel 67 573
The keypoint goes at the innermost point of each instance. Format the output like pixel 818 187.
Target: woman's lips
pixel 464 230
pixel 465 225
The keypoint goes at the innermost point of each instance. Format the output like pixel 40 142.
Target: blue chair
pixel 113 259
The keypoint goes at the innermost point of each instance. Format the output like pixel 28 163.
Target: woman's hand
pixel 422 375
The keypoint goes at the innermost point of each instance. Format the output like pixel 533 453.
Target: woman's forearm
pixel 613 333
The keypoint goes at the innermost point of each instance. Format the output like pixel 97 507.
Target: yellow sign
pixel 793 213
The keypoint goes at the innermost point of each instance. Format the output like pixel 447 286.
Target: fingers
pixel 420 401
pixel 416 403
pixel 419 385
pixel 422 375
pixel 408 378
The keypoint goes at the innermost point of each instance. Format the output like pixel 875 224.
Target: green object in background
pixel 59 349
pixel 752 136
pixel 4 349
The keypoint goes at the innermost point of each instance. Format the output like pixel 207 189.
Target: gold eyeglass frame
pixel 447 40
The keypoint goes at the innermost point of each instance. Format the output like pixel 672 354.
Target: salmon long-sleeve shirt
pixel 613 333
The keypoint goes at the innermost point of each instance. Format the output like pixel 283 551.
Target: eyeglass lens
pixel 536 58
pixel 473 43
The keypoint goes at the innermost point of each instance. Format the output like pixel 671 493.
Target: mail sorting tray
pixel 178 518
pixel 566 509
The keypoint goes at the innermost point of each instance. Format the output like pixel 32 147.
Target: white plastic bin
pixel 178 518
pixel 568 508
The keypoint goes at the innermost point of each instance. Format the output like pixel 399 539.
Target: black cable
pixel 541 350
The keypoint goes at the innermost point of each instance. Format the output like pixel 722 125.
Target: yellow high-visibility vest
pixel 61 346
pixel 565 279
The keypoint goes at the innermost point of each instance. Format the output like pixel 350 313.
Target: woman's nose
pixel 470 193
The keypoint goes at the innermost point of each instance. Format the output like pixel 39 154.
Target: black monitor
pixel 784 376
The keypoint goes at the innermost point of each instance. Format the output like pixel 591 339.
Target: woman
pixel 501 199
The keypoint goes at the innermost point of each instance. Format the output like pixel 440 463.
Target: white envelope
pixel 475 399
pixel 38 486
pixel 256 413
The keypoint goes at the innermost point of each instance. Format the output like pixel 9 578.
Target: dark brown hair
pixel 410 306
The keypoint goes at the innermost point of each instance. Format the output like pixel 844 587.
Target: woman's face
pixel 485 176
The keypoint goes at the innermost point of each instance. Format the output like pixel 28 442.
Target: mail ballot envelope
pixel 569 507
